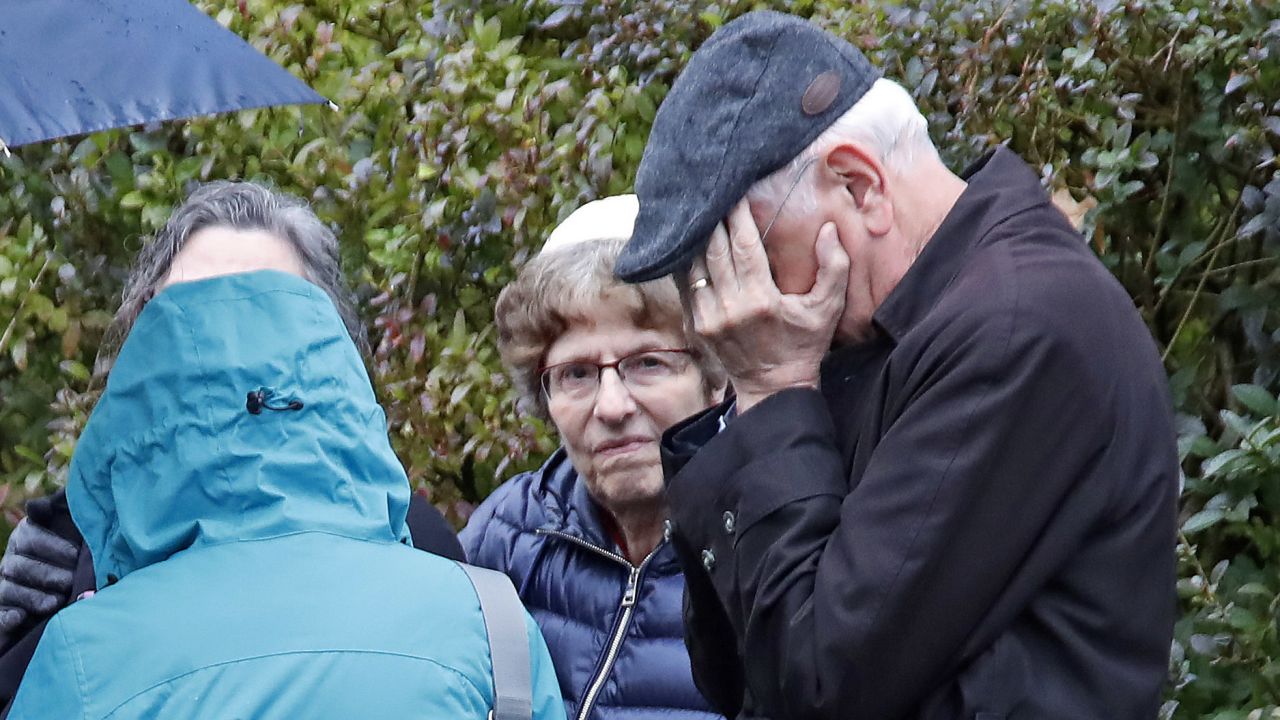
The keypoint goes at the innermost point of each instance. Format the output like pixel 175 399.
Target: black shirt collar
pixel 1000 185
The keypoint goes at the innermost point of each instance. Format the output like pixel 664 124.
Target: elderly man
pixel 947 487
pixel 245 511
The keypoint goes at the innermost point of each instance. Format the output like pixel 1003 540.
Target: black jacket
pixel 974 517
pixel 430 531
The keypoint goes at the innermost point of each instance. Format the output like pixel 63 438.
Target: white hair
pixel 885 118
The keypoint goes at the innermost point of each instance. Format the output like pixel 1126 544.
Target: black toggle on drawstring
pixel 261 398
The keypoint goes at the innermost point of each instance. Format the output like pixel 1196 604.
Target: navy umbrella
pixel 77 66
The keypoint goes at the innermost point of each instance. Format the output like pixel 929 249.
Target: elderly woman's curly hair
pixel 564 285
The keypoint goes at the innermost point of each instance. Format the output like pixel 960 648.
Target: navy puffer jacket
pixel 615 631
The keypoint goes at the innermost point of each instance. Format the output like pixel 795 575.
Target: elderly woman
pixel 582 537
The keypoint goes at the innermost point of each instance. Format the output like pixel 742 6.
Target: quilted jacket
pixel 615 630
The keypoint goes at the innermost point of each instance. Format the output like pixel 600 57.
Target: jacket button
pixel 667 528
pixel 729 522
pixel 708 560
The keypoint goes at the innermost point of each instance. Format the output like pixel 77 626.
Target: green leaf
pixel 27 453
pixel 488 33
pixel 1255 589
pixel 1215 576
pixel 19 353
pixel 155 216
pixel 1237 81
pixel 133 200
pixel 1256 398
pixel 1203 447
pixel 1255 225
pixel 1238 425
pixel 1081 58
pixel 1204 519
pixel 120 169
pixel 75 370
pixel 1216 464
pixel 1191 252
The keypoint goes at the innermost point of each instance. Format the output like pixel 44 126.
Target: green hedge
pixel 466 130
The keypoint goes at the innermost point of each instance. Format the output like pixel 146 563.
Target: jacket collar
pixel 570 509
pixel 1000 185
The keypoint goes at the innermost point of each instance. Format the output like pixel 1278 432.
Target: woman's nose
pixel 614 401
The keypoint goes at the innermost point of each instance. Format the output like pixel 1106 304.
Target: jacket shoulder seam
pixel 78 662
pixel 342 651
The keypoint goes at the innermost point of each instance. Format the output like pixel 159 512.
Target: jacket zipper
pixel 628 608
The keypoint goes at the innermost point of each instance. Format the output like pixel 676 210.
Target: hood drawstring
pixel 261 398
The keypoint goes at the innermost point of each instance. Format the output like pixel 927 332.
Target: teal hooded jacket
pixel 251 553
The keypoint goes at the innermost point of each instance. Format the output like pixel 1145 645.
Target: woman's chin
pixel 627 484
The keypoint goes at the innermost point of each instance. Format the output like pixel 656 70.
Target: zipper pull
pixel 633 587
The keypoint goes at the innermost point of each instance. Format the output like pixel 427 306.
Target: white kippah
pixel 604 219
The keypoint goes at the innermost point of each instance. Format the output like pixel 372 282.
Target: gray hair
pixel 885 118
pixel 240 206
pixel 566 285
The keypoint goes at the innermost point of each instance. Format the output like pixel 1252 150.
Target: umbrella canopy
pixel 76 66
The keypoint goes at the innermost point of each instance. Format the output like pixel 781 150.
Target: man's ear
pixel 866 181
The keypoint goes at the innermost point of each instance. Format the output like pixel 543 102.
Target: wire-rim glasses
pixel 794 183
pixel 580 379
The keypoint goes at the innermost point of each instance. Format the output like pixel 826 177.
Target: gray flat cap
pixel 756 93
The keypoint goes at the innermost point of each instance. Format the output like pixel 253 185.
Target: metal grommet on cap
pixel 708 560
pixel 730 522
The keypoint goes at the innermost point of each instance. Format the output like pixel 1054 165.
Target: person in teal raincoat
pixel 246 513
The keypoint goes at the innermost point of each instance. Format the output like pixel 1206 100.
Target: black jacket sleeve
pixel 854 597
pixel 431 531
pixel 52 513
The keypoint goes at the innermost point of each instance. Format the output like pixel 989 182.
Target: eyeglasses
pixel 580 379
pixel 776 213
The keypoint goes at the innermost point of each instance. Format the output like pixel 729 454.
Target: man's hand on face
pixel 768 341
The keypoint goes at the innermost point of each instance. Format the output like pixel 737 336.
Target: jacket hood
pixel 174 457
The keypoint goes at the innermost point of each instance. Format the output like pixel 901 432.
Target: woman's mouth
pixel 622 446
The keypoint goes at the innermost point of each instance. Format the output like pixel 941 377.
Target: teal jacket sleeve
pixel 53 684
pixel 547 701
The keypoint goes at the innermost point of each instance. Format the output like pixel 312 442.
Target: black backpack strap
pixel 508 643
